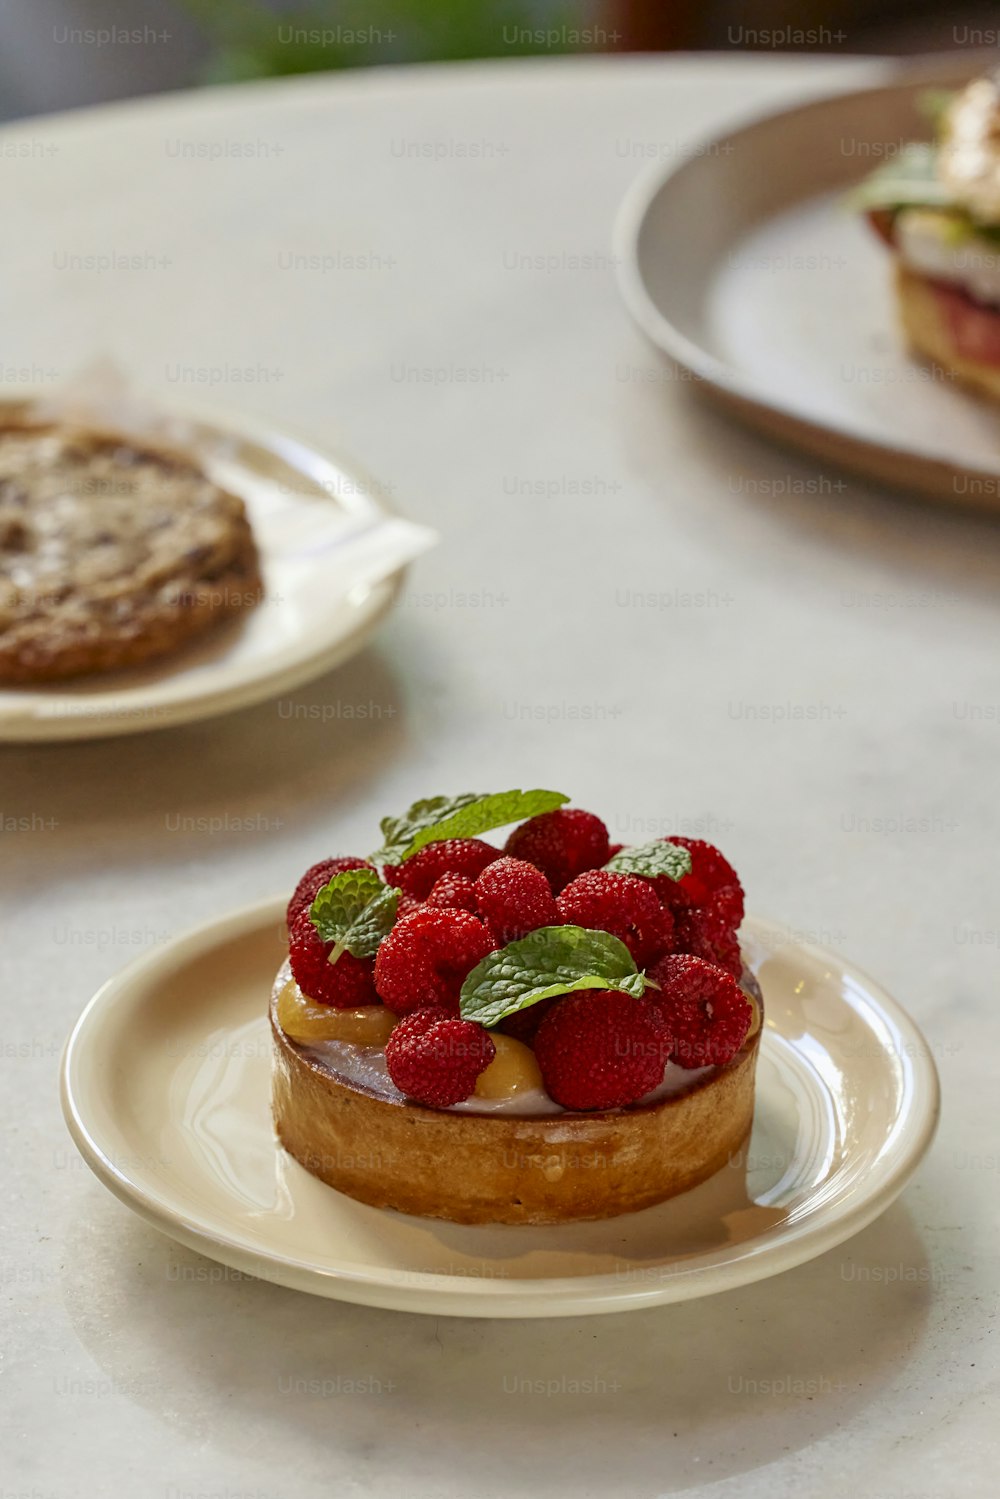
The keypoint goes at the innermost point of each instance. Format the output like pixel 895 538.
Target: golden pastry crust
pixel 504 1168
pixel 927 333
pixel 112 553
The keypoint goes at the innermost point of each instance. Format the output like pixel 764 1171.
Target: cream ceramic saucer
pixel 744 265
pixel 332 557
pixel 165 1087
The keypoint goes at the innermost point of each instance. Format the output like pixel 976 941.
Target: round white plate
pixel 744 266
pixel 165 1087
pixel 332 558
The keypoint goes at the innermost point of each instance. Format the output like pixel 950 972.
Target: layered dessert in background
pixel 937 205
pixel 554 1030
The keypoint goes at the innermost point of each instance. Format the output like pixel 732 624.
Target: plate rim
pixel 40 725
pixel 440 1294
pixel 778 416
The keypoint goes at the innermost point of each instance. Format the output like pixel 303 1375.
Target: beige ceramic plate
pixel 332 556
pixel 743 265
pixel 165 1085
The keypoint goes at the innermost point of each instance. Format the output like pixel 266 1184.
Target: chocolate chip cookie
pixel 112 553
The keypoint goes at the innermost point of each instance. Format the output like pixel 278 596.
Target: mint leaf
pixel 909 180
pixel 459 817
pixel 354 911
pixel 933 104
pixel 399 832
pixel 652 860
pixel 488 812
pixel 552 960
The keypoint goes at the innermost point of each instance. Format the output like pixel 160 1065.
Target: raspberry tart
pixel 551 1031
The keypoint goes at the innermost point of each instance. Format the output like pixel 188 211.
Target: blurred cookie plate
pixel 332 557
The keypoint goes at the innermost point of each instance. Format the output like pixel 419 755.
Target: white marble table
pixel 525 651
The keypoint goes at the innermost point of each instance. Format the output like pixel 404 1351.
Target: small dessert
pixel 937 206
pixel 111 553
pixel 556 1030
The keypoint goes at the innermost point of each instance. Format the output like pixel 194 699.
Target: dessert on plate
pixel 112 552
pixel 937 206
pixel 552 1030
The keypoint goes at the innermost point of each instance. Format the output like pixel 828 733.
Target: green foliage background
pixel 249 42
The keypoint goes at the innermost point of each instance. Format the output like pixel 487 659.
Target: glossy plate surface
pixel 165 1087
pixel 332 558
pixel 745 266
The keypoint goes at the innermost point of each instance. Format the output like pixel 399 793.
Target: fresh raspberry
pixel 711 872
pixel 312 882
pixel 346 984
pixel 703 1009
pixel 435 1058
pixel 709 931
pixel 418 874
pixel 407 905
pixel 515 898
pixel 562 844
pixel 454 892
pixel 725 906
pixel 421 1020
pixel 601 1049
pixel 622 904
pixel 426 957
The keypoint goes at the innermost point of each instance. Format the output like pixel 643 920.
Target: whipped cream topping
pixel 969 159
pixel 926 245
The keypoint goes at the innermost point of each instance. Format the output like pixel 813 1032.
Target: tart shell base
pixel 927 333
pixel 495 1168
